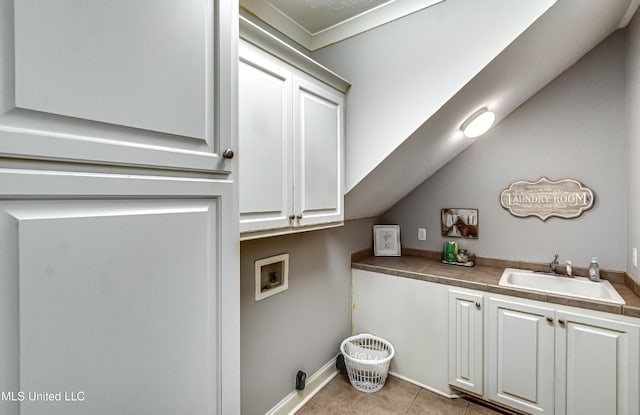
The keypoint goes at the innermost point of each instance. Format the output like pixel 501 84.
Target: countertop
pixel 485 275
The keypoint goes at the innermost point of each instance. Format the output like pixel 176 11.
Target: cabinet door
pixel 130 82
pixel 265 131
pixel 114 300
pixel 465 341
pixel 521 356
pixel 318 115
pixel 596 366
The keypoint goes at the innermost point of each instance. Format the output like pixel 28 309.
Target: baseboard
pixel 296 399
pixel 429 388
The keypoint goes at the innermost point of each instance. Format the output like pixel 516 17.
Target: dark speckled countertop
pixel 486 275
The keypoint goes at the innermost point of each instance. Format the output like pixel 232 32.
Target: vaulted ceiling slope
pixel 403 72
pixel 415 80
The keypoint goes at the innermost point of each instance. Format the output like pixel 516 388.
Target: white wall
pixel 404 71
pixel 633 151
pixel 301 328
pixel 573 128
pixel 412 316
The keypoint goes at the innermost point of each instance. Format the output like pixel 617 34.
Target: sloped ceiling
pixel 416 79
pixel 403 72
pixel 551 44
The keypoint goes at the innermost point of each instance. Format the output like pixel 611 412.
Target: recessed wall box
pixel 272 276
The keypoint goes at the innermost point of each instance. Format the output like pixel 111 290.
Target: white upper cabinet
pixel 291 139
pixel 124 82
pixel 318 149
pixel 266 134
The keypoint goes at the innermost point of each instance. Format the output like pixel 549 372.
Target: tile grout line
pixel 350 407
pixel 412 401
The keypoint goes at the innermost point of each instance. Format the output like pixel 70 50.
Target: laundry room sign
pixel 545 198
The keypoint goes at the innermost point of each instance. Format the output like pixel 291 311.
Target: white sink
pixel 579 287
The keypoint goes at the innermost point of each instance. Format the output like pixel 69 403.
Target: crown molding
pixel 387 12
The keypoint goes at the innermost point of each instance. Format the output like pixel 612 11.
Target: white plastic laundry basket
pixel 367 360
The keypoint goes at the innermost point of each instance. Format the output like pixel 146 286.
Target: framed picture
pixel 386 240
pixel 460 223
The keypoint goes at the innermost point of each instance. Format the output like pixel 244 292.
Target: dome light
pixel 478 123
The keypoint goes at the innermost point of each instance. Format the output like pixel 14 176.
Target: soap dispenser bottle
pixel 594 270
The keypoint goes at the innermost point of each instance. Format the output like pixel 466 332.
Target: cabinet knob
pixel 550 319
pixel 299 216
pixel 292 217
pixel 478 305
pixel 228 154
pixel 561 321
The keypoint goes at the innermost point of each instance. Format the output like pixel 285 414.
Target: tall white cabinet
pixel 291 139
pixel 118 207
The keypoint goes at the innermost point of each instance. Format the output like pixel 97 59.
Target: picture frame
pixel 386 240
pixel 459 223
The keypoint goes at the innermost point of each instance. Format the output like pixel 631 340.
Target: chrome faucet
pixel 553 265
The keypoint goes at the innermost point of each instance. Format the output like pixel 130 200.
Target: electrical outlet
pixel 634 255
pixel 422 234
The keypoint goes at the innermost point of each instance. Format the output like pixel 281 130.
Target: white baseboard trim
pixel 296 399
pixel 429 388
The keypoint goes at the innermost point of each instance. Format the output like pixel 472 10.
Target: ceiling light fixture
pixel 478 123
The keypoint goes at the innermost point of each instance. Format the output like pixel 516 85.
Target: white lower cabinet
pixel 520 355
pixel 465 341
pixel 531 356
pixel 541 358
pixel 596 365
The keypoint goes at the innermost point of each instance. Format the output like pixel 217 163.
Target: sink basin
pixel 579 287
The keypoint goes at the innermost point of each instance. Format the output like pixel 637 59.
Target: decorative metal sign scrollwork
pixel 545 198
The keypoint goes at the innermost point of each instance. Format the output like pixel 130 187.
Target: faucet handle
pixel 555 259
pixel 569 269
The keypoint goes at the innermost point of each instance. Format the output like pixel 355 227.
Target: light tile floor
pixel 338 397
